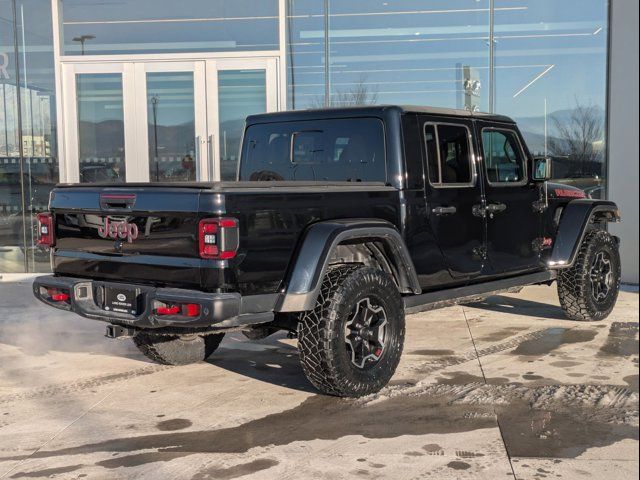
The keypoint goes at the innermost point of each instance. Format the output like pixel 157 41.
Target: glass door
pixel 97 108
pixel 161 121
pixel 236 88
pixel 135 122
pixel 171 121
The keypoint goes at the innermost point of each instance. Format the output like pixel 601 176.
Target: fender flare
pixel 574 224
pixel 319 242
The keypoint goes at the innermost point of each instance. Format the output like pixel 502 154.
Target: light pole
pixel 82 39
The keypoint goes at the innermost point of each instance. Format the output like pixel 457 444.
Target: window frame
pixel 472 156
pixel 525 178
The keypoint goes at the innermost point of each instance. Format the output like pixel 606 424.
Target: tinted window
pixel 448 155
pixel 503 157
pixel 432 153
pixel 349 150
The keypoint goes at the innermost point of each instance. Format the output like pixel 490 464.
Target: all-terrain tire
pixel 575 284
pixel 326 359
pixel 177 349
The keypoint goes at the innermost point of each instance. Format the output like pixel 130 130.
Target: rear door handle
pixel 488 210
pixel 444 211
pixel 496 207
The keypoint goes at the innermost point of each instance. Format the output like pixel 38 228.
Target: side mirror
pixel 541 169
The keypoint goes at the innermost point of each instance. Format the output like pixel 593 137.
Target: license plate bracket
pixel 121 300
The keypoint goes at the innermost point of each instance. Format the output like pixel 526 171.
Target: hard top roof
pixel 373 110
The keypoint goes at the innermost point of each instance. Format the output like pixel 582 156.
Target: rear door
pixel 452 189
pixel 513 226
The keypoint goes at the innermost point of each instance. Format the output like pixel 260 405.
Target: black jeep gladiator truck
pixel 339 223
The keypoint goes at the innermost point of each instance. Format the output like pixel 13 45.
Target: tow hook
pixel 118 331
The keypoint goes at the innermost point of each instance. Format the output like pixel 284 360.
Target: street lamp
pixel 82 39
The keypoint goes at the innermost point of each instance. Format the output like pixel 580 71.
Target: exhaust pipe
pixel 118 331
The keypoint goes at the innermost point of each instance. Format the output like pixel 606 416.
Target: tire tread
pixel 574 282
pixel 317 329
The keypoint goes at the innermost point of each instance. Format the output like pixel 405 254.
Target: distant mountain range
pixel 107 139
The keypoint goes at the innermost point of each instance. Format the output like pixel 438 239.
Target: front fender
pixel 574 224
pixel 319 242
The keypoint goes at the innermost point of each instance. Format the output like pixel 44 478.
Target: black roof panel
pixel 371 110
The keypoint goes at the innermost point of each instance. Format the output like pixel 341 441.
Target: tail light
pixel 45 229
pixel 186 309
pixel 219 238
pixel 56 295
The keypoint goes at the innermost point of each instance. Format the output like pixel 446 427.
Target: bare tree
pixel 578 137
pixel 360 94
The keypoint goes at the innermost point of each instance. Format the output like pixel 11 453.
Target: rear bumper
pixel 217 310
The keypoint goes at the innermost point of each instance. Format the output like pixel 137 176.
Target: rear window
pixel 341 150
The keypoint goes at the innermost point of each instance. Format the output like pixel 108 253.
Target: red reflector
pixel 174 310
pixel 192 309
pixel 209 228
pixel 209 251
pixel 45 229
pixel 228 223
pixel 56 295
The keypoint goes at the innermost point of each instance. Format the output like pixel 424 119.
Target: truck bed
pixel 271 217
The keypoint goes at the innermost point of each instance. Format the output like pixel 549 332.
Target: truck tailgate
pixel 128 234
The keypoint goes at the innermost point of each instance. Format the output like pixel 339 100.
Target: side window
pixel 433 162
pixel 503 157
pixel 448 155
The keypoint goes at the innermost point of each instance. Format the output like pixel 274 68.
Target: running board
pixel 474 292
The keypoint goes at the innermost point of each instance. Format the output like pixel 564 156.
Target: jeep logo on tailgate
pixel 121 230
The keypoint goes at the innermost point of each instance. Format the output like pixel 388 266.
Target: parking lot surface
pixel 504 388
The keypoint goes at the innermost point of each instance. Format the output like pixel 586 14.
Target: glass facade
pixel 542 62
pixel 28 160
pixel 551 77
pixel 99 27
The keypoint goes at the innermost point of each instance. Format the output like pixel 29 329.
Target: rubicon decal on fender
pixel 122 230
pixel 565 192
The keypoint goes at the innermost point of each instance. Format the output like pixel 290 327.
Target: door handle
pixel 440 211
pixel 488 210
pixel 496 207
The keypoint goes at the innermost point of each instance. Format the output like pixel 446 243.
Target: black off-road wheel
pixel 351 342
pixel 177 349
pixel 589 289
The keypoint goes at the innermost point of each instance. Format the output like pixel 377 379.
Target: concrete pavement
pixel 505 388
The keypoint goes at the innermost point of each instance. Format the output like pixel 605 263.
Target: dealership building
pixel 157 90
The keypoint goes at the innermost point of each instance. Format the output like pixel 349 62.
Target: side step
pixel 469 293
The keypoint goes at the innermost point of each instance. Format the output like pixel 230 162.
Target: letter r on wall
pixel 4 63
